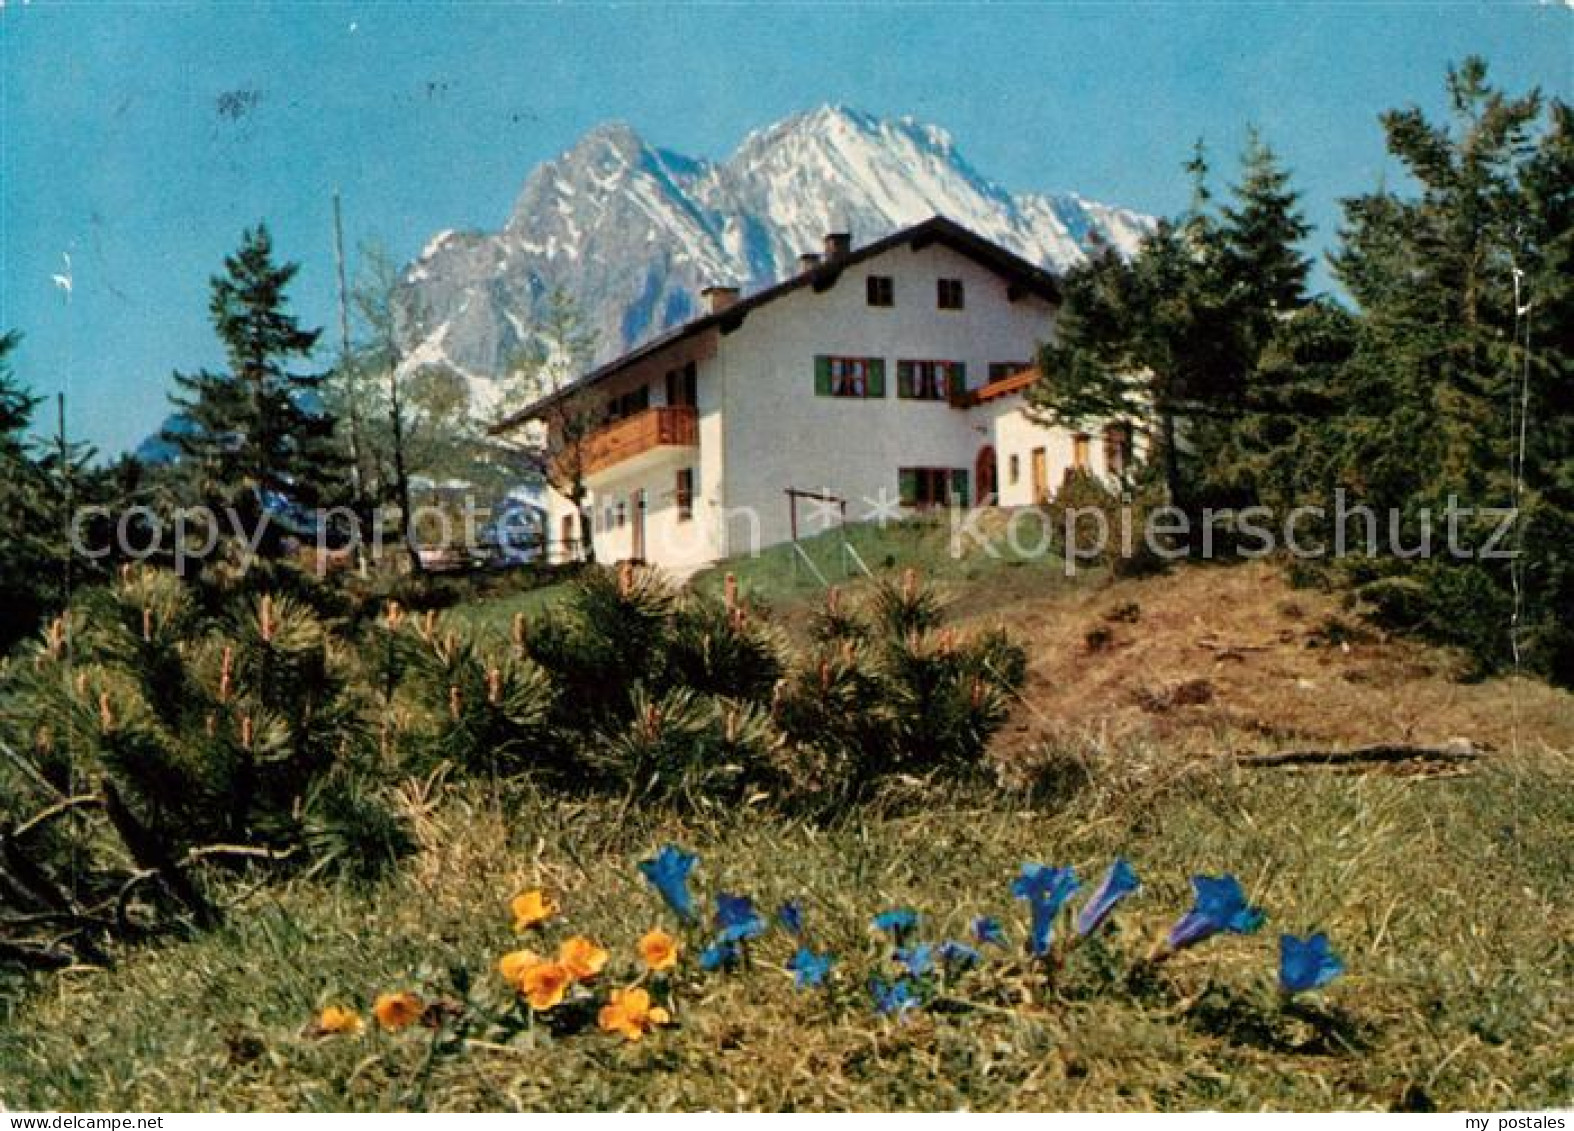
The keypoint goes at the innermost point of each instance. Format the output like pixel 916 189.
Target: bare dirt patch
pixel 1213 659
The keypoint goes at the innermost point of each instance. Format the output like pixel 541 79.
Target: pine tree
pixel 259 428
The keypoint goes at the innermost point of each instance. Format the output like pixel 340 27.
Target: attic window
pixel 949 294
pixel 881 290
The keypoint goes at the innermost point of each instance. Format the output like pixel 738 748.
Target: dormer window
pixel 949 294
pixel 881 290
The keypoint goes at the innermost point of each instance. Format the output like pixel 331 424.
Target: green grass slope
pixel 1450 899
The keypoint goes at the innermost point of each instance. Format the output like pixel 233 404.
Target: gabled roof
pixel 1023 277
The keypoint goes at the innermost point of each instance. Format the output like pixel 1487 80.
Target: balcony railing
pixel 664 426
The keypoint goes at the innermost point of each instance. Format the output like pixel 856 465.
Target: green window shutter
pixel 822 376
pixel 877 377
pixel 907 486
pixel 904 379
pixel 959 492
pixel 958 379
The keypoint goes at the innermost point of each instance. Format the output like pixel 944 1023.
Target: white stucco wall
pixel 778 433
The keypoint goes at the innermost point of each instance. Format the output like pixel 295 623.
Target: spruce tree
pixel 1260 234
pixel 29 558
pixel 1462 353
pixel 1262 278
pixel 1149 340
pixel 258 429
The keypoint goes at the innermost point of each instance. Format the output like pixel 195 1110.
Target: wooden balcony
pixel 666 426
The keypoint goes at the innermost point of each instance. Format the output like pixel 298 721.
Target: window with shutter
pixel 857 377
pixel 930 380
pixel 933 486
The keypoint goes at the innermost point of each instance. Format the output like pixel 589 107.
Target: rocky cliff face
pixel 633 232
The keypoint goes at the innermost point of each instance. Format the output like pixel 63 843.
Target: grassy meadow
pixel 1449 898
pixel 1448 890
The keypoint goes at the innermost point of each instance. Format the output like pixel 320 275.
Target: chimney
pixel 717 299
pixel 838 244
pixel 808 261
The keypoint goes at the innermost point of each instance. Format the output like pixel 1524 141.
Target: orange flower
pixel 398 1011
pixel 659 950
pixel 336 1021
pixel 544 984
pixel 512 966
pixel 531 909
pixel 630 1013
pixel 583 958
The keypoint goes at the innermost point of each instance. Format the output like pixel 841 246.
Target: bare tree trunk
pixel 401 470
pixel 586 524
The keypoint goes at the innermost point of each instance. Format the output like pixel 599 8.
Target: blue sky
pixel 114 149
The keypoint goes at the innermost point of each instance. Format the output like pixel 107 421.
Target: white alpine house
pixel 884 378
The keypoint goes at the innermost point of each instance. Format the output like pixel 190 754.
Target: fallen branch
pixel 34 958
pixel 248 851
pixel 1364 755
pixel 63 806
pixel 1220 646
pixel 151 855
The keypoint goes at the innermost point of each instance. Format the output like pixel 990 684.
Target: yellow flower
pixel 544 984
pixel 630 1013
pixel 338 1021
pixel 531 909
pixel 583 958
pixel 512 966
pixel 659 950
pixel 398 1011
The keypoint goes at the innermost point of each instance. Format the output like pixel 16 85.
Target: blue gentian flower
pixel 1046 890
pixel 736 918
pixel 988 930
pixel 893 998
pixel 668 872
pixel 917 960
pixel 808 968
pixel 720 955
pixel 1220 906
pixel 897 922
pixel 1306 964
pixel 958 955
pixel 790 916
pixel 1119 882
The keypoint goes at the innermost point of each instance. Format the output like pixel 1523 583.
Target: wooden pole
pixel 68 500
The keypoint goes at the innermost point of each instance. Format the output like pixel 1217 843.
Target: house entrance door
pixel 984 475
pixel 1040 477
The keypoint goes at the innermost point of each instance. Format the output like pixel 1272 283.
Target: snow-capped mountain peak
pixel 633 232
